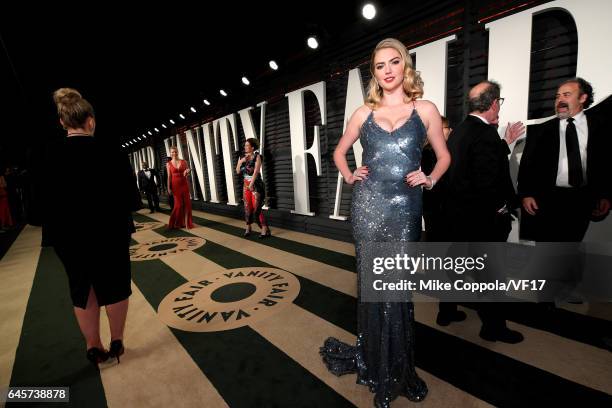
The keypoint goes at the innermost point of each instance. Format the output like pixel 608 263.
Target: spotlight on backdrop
pixel 312 43
pixel 273 65
pixel 245 80
pixel 369 11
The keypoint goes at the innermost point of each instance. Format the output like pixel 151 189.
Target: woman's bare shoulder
pixel 361 114
pixel 427 110
pixel 426 106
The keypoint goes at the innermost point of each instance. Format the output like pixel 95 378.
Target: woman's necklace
pixel 78 134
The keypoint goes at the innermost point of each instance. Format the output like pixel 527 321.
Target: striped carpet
pixel 268 355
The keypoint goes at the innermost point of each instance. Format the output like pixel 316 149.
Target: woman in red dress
pixel 6 221
pixel 178 187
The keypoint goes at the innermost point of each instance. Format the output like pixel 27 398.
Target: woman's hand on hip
pixel 416 178
pixel 360 174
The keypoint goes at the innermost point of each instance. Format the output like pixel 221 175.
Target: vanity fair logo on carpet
pixel 144 226
pixel 164 247
pixel 230 299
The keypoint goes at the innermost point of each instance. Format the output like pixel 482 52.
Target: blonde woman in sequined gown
pixel 392 127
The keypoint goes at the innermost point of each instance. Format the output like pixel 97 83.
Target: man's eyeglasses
pixel 500 101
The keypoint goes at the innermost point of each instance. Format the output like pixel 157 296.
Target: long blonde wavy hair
pixel 413 84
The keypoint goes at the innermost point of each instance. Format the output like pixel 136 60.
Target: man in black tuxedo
pixel 564 174
pixel 480 196
pixel 148 180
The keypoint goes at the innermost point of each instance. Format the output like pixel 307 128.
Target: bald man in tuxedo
pixel 480 196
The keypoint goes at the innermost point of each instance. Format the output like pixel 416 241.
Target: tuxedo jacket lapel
pixel 591 145
pixel 553 139
pixel 553 131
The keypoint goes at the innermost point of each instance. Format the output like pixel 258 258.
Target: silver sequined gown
pixel 384 209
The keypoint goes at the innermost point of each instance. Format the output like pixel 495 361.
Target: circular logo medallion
pixel 143 226
pixel 164 247
pixel 230 299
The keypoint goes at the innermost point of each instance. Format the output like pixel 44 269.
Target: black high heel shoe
pixel 96 356
pixel 116 350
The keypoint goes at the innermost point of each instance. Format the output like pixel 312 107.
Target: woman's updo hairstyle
pixel 72 108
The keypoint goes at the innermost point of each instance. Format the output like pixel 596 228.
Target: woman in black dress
pixel 78 170
pixel 254 190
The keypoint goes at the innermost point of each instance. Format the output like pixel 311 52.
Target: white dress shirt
pixel 582 129
pixel 481 118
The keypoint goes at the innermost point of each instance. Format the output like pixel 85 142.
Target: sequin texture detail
pixel 384 209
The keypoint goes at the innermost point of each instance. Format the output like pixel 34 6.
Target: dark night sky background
pixel 140 68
